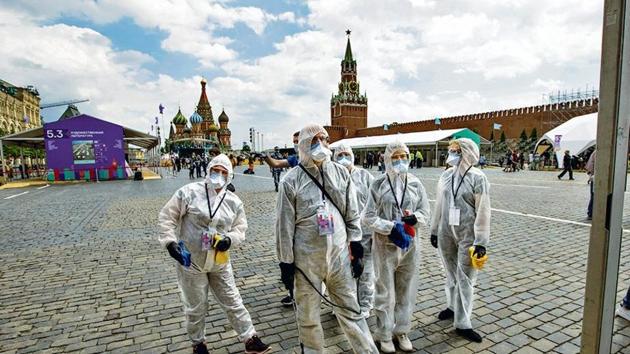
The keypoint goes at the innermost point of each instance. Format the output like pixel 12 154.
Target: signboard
pixel 77 147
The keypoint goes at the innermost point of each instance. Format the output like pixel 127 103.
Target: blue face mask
pixel 345 161
pixel 217 180
pixel 319 153
pixel 453 158
pixel 400 166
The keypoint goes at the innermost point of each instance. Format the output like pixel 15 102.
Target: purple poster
pixel 84 147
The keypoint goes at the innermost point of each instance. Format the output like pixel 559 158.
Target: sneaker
pixel 469 334
pixel 446 314
pixel 200 348
pixel 255 346
pixel 623 312
pixel 404 343
pixel 287 301
pixel 388 347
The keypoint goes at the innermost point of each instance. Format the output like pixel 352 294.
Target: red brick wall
pixel 513 121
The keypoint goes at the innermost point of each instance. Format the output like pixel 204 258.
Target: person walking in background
pixel 191 170
pixel 567 167
pixel 590 170
pixel 419 159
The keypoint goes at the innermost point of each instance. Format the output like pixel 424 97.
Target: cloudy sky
pixel 273 65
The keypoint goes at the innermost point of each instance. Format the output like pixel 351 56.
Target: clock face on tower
pixel 354 87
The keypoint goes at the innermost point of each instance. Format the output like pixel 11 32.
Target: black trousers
pixel 566 169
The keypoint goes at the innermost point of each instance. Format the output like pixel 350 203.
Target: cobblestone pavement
pixel 81 271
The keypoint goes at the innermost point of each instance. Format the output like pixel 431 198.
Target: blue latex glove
pixel 399 237
pixel 185 254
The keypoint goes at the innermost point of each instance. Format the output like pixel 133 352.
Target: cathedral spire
pixel 203 107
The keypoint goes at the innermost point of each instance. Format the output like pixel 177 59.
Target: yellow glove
pixel 219 257
pixel 477 263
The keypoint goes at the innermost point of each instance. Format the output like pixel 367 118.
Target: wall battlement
pixel 512 121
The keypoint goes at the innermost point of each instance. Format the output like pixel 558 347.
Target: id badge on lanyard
pixel 325 221
pixel 453 216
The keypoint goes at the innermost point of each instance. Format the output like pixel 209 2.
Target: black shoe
pixel 571 179
pixel 255 346
pixel 287 301
pixel 469 334
pixel 446 314
pixel 200 349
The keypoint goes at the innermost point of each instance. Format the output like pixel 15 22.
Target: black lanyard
pixel 218 206
pixel 321 173
pixel 402 200
pixel 455 191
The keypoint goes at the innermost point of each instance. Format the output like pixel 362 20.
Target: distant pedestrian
pixel 198 167
pixel 419 159
pixel 567 167
pixel 191 170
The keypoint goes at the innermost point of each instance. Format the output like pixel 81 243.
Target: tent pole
pixel 4 171
pixel 22 162
pixel 436 154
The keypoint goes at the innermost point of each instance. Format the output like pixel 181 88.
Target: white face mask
pixel 453 159
pixel 320 153
pixel 345 161
pixel 295 147
pixel 400 166
pixel 217 180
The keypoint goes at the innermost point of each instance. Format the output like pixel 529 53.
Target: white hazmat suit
pixel 396 269
pixel 185 217
pixel 473 202
pixel 324 259
pixel 362 180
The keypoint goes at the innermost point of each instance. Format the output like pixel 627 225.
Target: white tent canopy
pixel 576 135
pixel 418 138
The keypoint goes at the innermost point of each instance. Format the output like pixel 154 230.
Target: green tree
pixel 523 137
pixel 502 138
pixel 246 148
pixel 533 136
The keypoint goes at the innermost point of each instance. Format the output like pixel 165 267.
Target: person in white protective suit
pixel 396 207
pixel 461 220
pixel 362 180
pixel 318 240
pixel 198 226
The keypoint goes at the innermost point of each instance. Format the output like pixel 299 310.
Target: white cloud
pixel 416 59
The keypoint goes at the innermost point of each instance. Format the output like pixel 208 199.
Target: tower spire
pixel 348 55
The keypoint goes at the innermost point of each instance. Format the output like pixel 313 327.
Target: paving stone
pixel 110 288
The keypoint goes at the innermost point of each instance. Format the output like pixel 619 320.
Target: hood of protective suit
pixel 304 142
pixel 389 151
pixel 223 161
pixel 470 154
pixel 343 148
